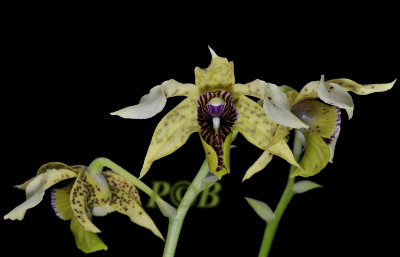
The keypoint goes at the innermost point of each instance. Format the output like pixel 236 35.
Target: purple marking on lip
pixel 216 110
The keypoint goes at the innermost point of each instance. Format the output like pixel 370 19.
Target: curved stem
pixel 97 166
pixel 287 195
pixel 175 222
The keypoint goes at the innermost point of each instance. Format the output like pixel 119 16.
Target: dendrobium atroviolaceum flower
pixel 89 194
pixel 215 107
pixel 323 120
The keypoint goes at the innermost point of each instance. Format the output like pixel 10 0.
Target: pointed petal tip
pixel 213 54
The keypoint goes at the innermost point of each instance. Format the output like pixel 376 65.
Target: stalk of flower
pixel 215 107
pixel 89 194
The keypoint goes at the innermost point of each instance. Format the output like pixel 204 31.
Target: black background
pixel 65 70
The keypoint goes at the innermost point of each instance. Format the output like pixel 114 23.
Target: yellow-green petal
pixel 309 91
pixel 253 123
pixel 50 166
pixel 60 202
pixel 258 165
pixel 173 88
pixel 315 158
pixel 359 89
pixel 86 241
pixel 86 192
pixel 172 132
pixel 212 157
pixel 282 150
pixel 256 88
pixel 218 75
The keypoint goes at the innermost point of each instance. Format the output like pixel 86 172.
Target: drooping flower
pixel 215 107
pixel 87 195
pixel 322 117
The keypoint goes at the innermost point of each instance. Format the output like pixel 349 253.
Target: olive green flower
pixel 322 117
pixel 215 107
pixel 87 195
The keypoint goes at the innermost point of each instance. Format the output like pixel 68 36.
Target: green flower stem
pixel 97 166
pixel 175 222
pixel 283 203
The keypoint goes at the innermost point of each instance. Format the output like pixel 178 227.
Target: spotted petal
pixel 336 95
pixel 277 107
pixel 88 191
pixel 218 75
pixel 86 241
pixel 321 118
pixel 253 123
pixel 172 132
pixel 126 200
pixel 315 158
pixel 359 89
pixel 256 88
pixel 36 187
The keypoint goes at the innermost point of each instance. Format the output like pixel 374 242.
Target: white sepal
pixel 277 108
pixel 34 195
pixel 149 105
pixel 336 95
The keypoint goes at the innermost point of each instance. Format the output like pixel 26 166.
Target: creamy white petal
pixel 34 195
pixel 36 188
pixel 149 105
pixel 336 95
pixel 277 108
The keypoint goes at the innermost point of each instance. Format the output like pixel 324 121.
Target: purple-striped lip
pixel 216 116
pixel 337 128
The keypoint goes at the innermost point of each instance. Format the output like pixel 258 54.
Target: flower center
pixel 216 116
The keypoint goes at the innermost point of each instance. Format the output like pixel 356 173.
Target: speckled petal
pixel 256 88
pixel 359 89
pixel 35 190
pixel 321 118
pixel 126 200
pixel 172 132
pixel 86 241
pixel 336 95
pixel 253 123
pixel 258 165
pixel 149 105
pixel 51 166
pixel 218 75
pixel 309 91
pixel 315 158
pixel 87 192
pixel 277 107
pixel 173 88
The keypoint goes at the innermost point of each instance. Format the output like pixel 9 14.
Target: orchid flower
pixel 90 194
pixel 323 118
pixel 215 107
